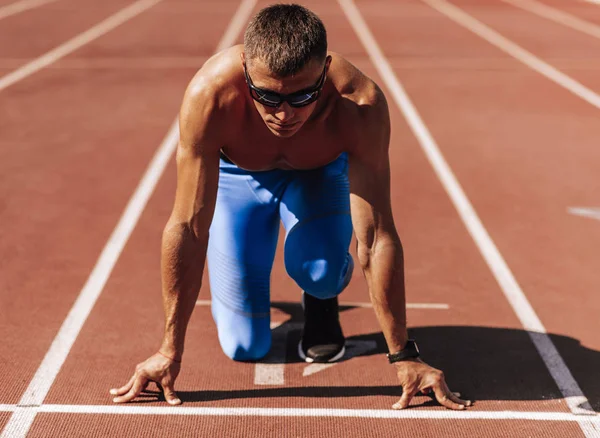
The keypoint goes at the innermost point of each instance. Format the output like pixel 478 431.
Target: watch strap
pixel 410 351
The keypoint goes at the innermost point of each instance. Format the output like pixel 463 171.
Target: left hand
pixel 415 375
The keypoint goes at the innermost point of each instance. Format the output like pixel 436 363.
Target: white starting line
pixel 423 414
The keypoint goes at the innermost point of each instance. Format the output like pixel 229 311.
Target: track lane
pixel 20 6
pixel 457 257
pixel 443 263
pixel 583 9
pixel 567 49
pixel 33 32
pixel 17 4
pixel 520 142
pixel 103 425
pixel 115 137
pixel 22 419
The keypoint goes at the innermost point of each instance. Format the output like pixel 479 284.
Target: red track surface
pixel 76 137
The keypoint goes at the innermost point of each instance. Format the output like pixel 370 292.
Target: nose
pixel 284 112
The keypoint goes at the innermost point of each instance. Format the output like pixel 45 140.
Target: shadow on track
pixel 483 363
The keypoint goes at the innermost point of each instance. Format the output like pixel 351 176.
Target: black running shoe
pixel 322 338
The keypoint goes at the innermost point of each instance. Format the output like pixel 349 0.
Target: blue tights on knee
pixel 314 207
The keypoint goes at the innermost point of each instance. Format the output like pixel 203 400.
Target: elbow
pixel 184 230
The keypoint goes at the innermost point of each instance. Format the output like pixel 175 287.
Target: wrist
pixel 398 343
pixel 171 358
pixel 170 351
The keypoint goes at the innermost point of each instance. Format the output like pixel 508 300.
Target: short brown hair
pixel 286 37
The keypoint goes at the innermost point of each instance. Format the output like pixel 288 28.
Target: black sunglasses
pixel 298 99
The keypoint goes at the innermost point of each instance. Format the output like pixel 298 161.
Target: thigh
pixel 242 243
pixel 317 194
pixel 315 210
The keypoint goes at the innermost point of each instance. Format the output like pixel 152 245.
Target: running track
pixel 504 141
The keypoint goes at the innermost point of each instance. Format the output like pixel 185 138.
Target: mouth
pixel 283 127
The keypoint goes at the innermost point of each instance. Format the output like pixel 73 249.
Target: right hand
pixel 157 368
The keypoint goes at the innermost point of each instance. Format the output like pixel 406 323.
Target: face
pixel 284 120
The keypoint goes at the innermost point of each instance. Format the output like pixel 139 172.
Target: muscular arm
pixel 185 236
pixel 381 256
pixel 379 248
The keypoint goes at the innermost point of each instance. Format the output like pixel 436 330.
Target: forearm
pixel 182 263
pixel 384 270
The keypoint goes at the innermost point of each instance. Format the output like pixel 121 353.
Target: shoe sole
pixel 305 358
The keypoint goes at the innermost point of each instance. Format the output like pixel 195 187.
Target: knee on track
pixel 245 346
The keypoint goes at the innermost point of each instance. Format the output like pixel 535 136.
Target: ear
pixel 243 57
pixel 328 62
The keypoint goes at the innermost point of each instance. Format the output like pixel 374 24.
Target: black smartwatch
pixel 410 351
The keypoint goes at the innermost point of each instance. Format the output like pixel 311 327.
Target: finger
pixel 455 396
pixel 125 388
pixel 407 395
pixel 443 396
pixel 427 391
pixel 170 395
pixel 458 400
pixel 133 392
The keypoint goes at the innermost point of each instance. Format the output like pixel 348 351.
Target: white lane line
pixel 434 306
pixel 592 213
pixel 21 6
pixel 56 355
pixel 573 394
pixel 121 63
pixel 557 16
pixel 477 27
pixel 38 388
pixel 271 370
pixel 43 379
pixel 76 42
pixel 303 412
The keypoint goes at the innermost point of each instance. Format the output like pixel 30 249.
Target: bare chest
pixel 257 149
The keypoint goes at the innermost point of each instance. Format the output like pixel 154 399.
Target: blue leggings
pixel 314 206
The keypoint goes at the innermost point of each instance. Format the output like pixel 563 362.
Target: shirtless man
pixel 280 129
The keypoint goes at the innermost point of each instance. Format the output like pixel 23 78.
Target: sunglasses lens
pixel 266 98
pixel 303 99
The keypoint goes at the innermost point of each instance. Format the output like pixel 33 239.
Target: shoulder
pixel 362 101
pixel 213 95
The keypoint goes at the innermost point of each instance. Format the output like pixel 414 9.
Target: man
pixel 281 130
